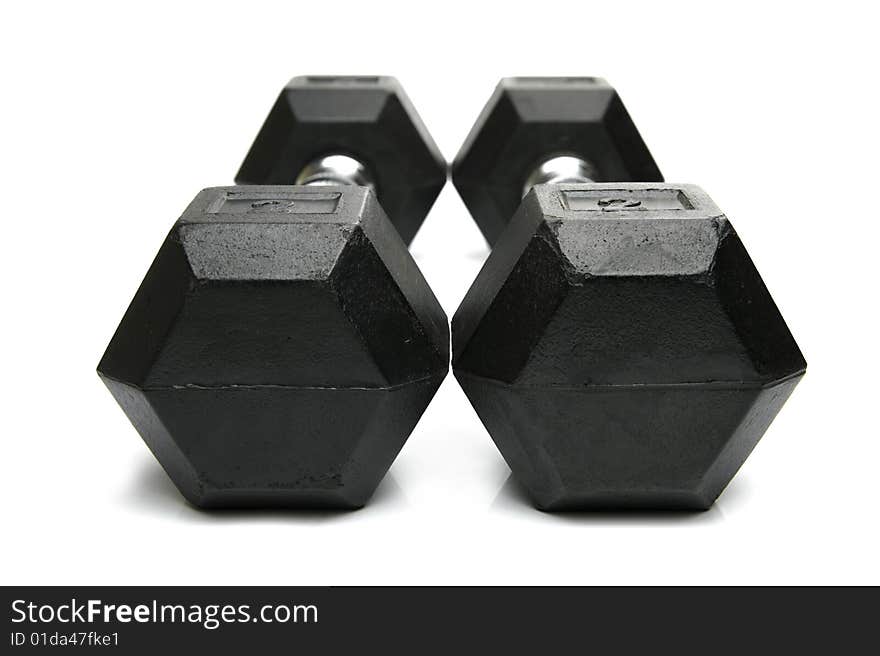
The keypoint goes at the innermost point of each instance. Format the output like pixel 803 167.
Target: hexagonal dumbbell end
pixel 529 122
pixel 367 119
pixel 621 349
pixel 281 348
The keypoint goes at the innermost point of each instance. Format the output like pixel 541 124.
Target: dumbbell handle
pixel 335 170
pixel 561 169
pixel 345 170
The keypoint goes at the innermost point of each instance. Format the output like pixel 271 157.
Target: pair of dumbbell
pixel 618 345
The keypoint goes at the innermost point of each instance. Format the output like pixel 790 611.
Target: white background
pixel 112 120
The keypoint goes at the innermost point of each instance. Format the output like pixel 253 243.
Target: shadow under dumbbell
pixel 513 497
pixel 153 492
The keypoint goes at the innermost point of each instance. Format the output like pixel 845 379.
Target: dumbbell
pixel 546 130
pixel 350 130
pixel 618 345
pixel 284 344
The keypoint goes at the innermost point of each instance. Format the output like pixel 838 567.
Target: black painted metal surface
pixel 528 120
pixel 621 348
pixel 280 349
pixel 368 118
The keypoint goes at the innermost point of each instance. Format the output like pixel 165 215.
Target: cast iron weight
pixel 280 349
pixel 618 345
pixel 350 130
pixel 284 344
pixel 537 130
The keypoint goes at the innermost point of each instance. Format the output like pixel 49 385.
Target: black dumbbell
pixel 536 130
pixel 284 344
pixel 331 130
pixel 618 345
